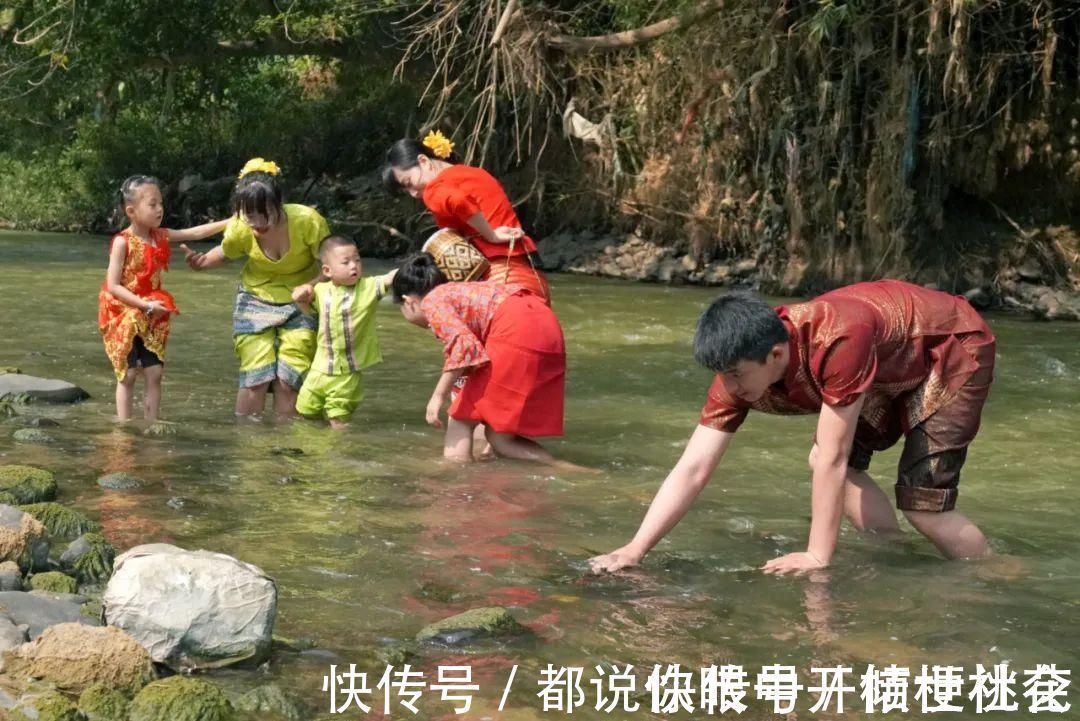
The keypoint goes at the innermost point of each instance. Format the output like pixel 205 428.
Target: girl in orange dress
pixel 469 201
pixel 133 309
pixel 509 345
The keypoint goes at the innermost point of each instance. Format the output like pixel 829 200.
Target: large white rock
pixel 41 390
pixel 192 609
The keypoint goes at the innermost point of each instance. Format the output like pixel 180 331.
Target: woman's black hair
pixel 405 154
pixel 126 195
pixel 418 275
pixel 258 193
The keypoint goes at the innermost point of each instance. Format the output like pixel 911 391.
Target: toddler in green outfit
pixel 346 344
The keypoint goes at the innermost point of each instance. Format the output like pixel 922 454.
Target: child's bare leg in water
pixel 525 449
pixel 125 394
pixel 152 392
pixel 458 442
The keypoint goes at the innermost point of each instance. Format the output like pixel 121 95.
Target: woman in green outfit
pixel 274 340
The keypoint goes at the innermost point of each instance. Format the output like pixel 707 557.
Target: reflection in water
pixel 123 520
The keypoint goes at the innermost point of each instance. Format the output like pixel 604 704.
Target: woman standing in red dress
pixel 469 201
pixel 507 343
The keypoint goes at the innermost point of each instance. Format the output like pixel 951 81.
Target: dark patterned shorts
pixel 935 450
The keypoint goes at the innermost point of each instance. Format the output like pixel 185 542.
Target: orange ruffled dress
pixel 119 323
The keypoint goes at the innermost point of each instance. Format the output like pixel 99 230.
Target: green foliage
pixel 159 87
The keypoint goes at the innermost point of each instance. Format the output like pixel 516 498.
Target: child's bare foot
pixel 486 453
pixel 338 425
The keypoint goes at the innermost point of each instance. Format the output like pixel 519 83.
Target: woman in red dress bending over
pixel 469 201
pixel 509 346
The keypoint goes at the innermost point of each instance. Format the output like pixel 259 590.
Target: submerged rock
pixel 54 582
pixel 40 422
pixel 74 657
pixel 39 610
pixel 101 703
pixel 161 429
pixel 90 556
pixel 26 484
pixel 286 451
pixel 61 521
pixel 181 698
pixel 192 609
pixel 271 699
pixel 32 435
pixel 119 482
pixel 477 623
pixel 22 539
pixel 40 390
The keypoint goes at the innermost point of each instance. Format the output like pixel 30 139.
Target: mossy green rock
pixel 161 429
pixel 51 706
pixel 32 435
pixel 26 484
pixel 61 521
pixel 90 557
pixel 486 622
pixel 53 582
pixel 271 699
pixel 181 698
pixel 100 703
pixel 119 482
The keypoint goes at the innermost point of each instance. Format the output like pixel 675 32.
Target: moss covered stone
pixel 90 557
pixel 119 482
pixel 50 706
pixel 161 429
pixel 100 703
pixel 486 622
pixel 181 698
pixel 53 582
pixel 271 699
pixel 32 435
pixel 26 484
pixel 61 521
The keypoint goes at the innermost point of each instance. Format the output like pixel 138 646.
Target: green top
pixel 347 341
pixel 274 280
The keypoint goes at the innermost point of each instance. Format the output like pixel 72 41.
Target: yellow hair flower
pixel 258 165
pixel 440 145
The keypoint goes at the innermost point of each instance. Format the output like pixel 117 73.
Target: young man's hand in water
pixel 797 563
pixel 617 560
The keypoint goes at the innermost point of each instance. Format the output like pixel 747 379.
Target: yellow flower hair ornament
pixel 439 145
pixel 258 165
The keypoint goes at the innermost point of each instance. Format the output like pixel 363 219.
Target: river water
pixel 370 537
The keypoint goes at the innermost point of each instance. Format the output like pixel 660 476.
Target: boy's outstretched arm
pixel 673 500
pixel 197 232
pixel 835 434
